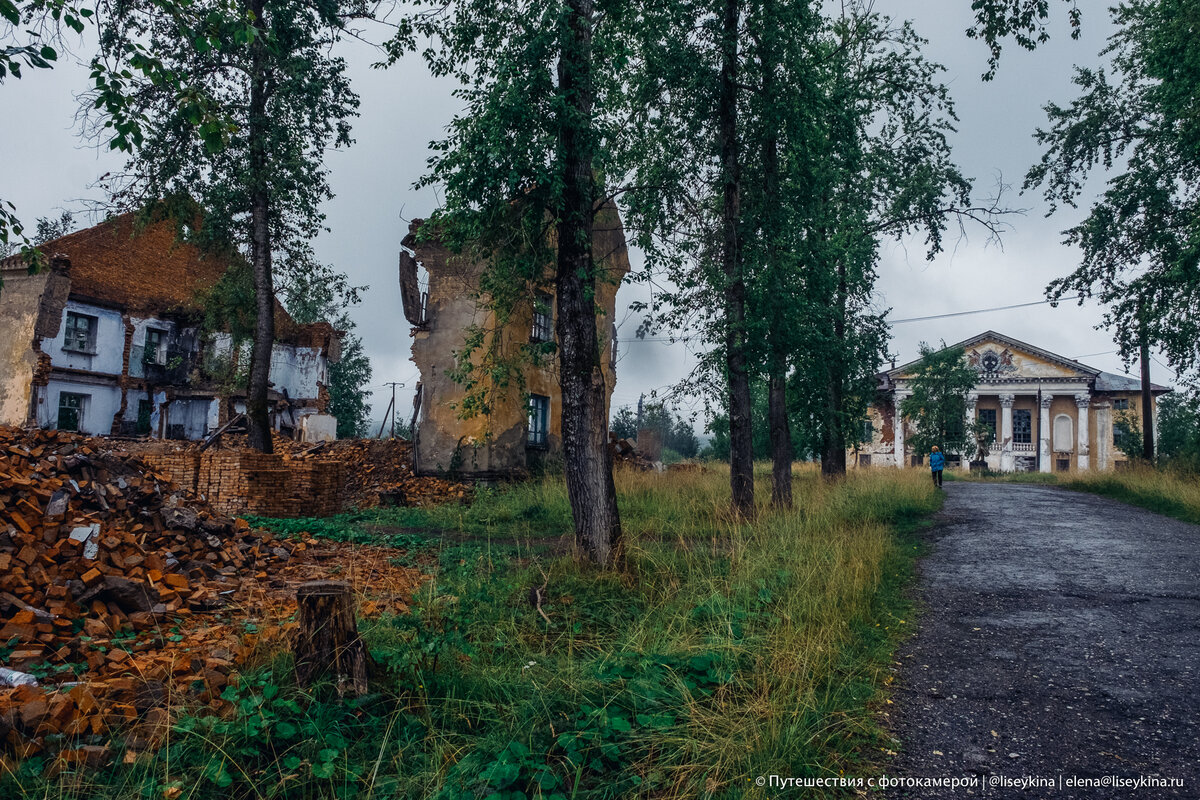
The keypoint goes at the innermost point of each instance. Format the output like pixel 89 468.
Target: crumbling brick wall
pixel 267 485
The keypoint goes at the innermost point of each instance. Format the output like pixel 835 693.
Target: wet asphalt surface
pixel 1060 637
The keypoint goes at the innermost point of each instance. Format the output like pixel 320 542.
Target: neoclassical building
pixel 1049 412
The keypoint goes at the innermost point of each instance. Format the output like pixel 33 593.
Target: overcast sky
pixel 47 168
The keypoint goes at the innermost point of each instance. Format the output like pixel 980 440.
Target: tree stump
pixel 327 644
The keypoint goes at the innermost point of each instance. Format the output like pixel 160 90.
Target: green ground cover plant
pixel 722 651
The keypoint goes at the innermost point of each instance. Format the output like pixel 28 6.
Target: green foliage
pixel 675 432
pixel 50 229
pixel 937 405
pixel 1179 429
pixel 31 37
pixel 844 130
pixel 805 428
pixel 1127 434
pixel 1137 121
pixel 1023 20
pixel 624 423
pixel 320 293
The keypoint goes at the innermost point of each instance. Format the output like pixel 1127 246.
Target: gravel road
pixel 1060 638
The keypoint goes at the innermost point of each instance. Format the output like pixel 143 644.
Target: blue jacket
pixel 937 461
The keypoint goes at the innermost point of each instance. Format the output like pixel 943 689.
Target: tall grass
pixel 725 650
pixel 1173 492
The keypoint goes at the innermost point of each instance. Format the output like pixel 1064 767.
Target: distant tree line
pixel 678 438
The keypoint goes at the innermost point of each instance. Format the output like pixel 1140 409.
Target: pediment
pixel 1000 358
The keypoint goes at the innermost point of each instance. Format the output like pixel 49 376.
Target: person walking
pixel 937 462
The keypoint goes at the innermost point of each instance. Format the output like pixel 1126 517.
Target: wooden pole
pixel 387 414
pixel 327 644
pixel 1147 406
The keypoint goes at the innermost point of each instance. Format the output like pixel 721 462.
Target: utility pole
pixel 641 400
pixel 1147 405
pixel 392 405
pixel 1147 396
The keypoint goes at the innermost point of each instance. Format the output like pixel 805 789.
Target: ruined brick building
pixel 523 426
pixel 1047 412
pixel 107 340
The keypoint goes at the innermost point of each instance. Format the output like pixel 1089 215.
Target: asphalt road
pixel 1060 638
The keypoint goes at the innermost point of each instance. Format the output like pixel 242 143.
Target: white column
pixel 972 399
pixel 1006 432
pixel 1044 433
pixel 898 428
pixel 1082 401
pixel 1104 434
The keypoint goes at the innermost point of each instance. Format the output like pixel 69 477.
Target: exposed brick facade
pixel 268 485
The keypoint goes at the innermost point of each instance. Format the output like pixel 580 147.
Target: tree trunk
pixel 777 414
pixel 833 449
pixel 258 423
pixel 588 462
pixel 781 442
pixel 327 645
pixel 741 442
pixel 833 456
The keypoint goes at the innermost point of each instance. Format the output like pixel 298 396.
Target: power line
pixel 672 340
pixel 983 310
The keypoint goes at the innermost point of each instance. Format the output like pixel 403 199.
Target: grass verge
pixel 725 651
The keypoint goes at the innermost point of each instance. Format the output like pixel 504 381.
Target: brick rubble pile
pixel 112 579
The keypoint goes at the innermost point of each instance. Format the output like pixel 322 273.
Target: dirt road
pixel 1060 638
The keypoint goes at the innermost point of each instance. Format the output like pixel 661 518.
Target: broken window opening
pixel 987 416
pixel 155 351
pixel 543 314
pixel 145 409
pixel 70 411
pixel 80 334
pixel 1022 426
pixel 539 420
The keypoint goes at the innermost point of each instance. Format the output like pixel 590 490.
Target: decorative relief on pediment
pixel 991 363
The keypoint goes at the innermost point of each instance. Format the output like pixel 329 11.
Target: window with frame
pixel 70 411
pixel 155 351
pixel 1121 404
pixel 1022 426
pixel 80 333
pixel 543 318
pixel 987 416
pixel 539 420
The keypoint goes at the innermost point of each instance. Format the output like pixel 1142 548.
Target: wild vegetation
pixel 725 650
